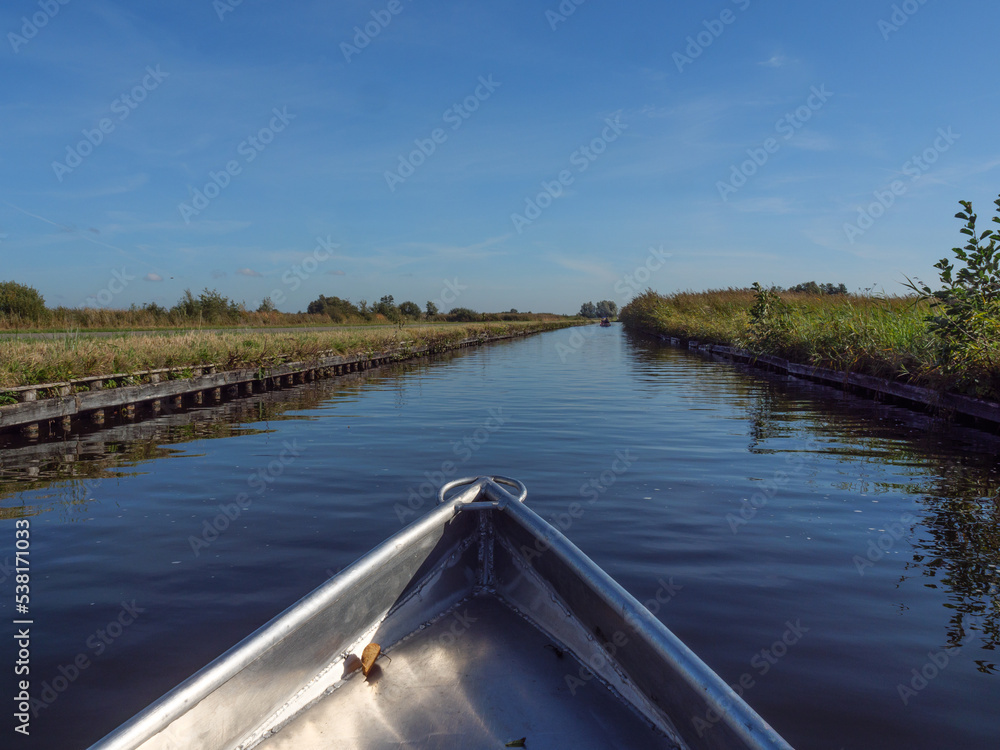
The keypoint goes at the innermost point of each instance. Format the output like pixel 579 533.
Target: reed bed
pixel 888 337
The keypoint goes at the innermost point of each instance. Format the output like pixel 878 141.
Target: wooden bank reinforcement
pixel 48 410
pixel 938 402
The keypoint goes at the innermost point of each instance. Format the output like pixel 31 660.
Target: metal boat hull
pixel 496 627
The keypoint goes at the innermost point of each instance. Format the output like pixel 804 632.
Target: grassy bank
pixel 886 337
pixel 35 361
pixel 946 337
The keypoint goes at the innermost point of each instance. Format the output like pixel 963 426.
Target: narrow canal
pixel 832 558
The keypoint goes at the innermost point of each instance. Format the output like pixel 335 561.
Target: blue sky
pixel 742 140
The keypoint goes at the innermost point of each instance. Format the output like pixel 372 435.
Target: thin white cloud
pixel 776 61
pixel 476 250
pixel 653 74
pixel 248 272
pixel 152 277
pixel 652 111
pixel 391 257
pixel 71 232
pixel 125 185
pixel 812 142
pixel 207 226
pixel 700 255
pixel 590 268
pixel 774 205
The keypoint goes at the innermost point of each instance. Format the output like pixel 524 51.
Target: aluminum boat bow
pixel 496 628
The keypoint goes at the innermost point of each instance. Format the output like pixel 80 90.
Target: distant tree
pixel 154 309
pixel 339 310
pixel 606 309
pixel 811 287
pixel 209 305
pixel 386 306
pixel 513 310
pixel 267 306
pixel 409 309
pixel 588 310
pixel 215 306
pixel 187 306
pixel 21 300
pixel 463 315
pixel 432 309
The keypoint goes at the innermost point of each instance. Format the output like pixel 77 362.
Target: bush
pixel 769 321
pixel 21 301
pixel 965 312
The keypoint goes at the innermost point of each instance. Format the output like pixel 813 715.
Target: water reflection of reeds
pixel 956 477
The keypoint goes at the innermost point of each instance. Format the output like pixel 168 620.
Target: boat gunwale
pixel 743 723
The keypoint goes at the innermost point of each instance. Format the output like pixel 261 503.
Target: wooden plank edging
pixel 32 410
pixel 988 411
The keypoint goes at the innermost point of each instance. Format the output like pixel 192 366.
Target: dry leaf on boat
pixel 368 657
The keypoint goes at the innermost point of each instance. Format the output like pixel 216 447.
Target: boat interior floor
pixel 479 676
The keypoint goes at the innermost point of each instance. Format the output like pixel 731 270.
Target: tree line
pixel 811 287
pixel 23 304
pixel 342 310
pixel 603 309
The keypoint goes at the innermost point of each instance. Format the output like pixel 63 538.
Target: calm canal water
pixel 824 550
